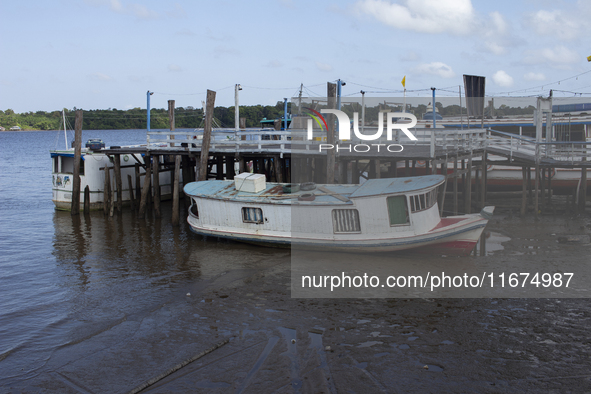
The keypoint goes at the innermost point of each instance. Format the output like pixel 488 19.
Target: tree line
pixel 115 119
pixel 191 118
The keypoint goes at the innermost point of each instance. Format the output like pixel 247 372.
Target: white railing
pixel 571 152
pixel 273 141
pixel 231 141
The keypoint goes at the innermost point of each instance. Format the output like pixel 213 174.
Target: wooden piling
pixel 537 189
pixel 456 186
pixel 523 190
pixel 131 196
pixel 138 184
pixel 209 107
pixel 146 187
pixel 107 190
pixel 330 133
pixel 277 169
pixel 175 193
pixel 468 201
pixel 171 119
pixel 185 165
pixel 484 180
pixel 377 168
pixel 118 181
pixel 583 190
pixel 86 200
pixel 156 182
pixel 75 207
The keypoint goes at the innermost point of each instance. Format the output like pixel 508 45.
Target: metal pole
pixel 362 111
pixel 148 94
pixel 285 114
pixel 434 123
pixel 339 83
pixel 237 87
pixel 461 112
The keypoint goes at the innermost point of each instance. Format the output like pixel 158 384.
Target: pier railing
pixel 564 152
pixel 231 141
pixel 439 141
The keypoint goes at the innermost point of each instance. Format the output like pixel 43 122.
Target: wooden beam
pixel 175 193
pixel 156 172
pixel 209 106
pixel 118 181
pixel 131 196
pixel 75 206
pixel 146 187
pixel 330 133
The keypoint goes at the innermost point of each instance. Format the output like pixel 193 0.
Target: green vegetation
pixel 114 119
pixel 190 118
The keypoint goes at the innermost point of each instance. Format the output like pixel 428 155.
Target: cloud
pixel 555 23
pixel 323 66
pixel 558 56
pixel 100 77
pixel 425 16
pixel 436 68
pixel 274 64
pixel 138 10
pixel 532 76
pixel 186 32
pixel 141 12
pixel 174 68
pixel 501 78
pixel 411 56
pixel 454 17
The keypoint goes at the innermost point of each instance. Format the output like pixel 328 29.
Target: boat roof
pixel 373 187
pixel 273 192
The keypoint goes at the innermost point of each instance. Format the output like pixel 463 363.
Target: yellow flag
pixel 404 79
pixel 589 58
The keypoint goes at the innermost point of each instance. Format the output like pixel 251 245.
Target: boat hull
pixel 454 236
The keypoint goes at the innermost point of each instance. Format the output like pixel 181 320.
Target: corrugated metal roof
pixel 374 187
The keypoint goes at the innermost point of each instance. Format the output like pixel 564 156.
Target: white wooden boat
pixel 378 216
pixel 92 174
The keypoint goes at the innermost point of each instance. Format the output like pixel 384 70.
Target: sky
pixel 100 54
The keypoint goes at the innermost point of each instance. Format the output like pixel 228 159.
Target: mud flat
pixel 281 344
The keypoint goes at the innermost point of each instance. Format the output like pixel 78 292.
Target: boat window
pixel 346 221
pixel 421 202
pixel 68 165
pixel 56 160
pixel 193 210
pixel 252 215
pixel 398 210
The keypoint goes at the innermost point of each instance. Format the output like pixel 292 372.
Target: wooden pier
pixel 462 155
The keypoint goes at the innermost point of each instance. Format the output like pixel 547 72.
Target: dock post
pixel 583 190
pixel 138 184
pixel 209 107
pixel 537 188
pixel 75 207
pixel 523 190
pixel 131 196
pixel 171 119
pixel 107 189
pixel 468 200
pixel 156 186
pixel 118 182
pixel 550 186
pixel 185 164
pixel 112 200
pixel 331 92
pixel 456 186
pixel 484 178
pixel 146 187
pixel 86 200
pixel 278 172
pixel 219 165
pixel 175 193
